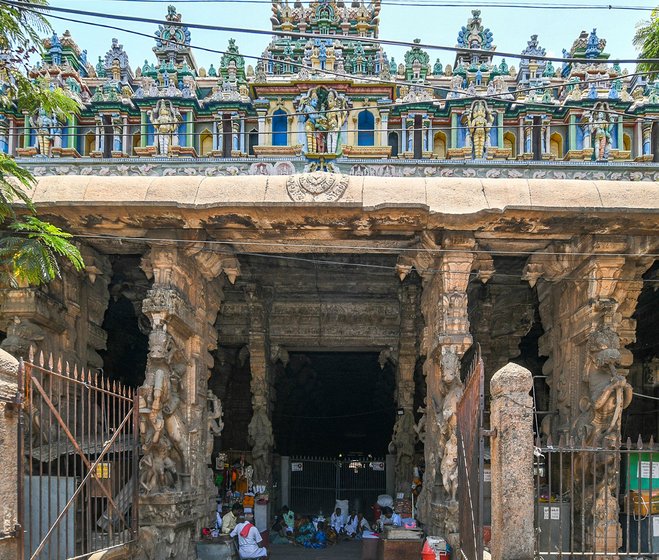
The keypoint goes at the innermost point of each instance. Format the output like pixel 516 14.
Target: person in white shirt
pixel 390 518
pixel 357 525
pixel 338 521
pixel 250 542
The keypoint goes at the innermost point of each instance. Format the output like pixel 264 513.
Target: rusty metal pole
pixel 20 502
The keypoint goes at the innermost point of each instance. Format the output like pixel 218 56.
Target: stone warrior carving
pixel 161 418
pixel 610 393
pixel 599 427
pixel 324 112
pixel 166 119
pixel 479 124
pixel 451 391
pixel 260 438
pixel 215 422
pixel 403 441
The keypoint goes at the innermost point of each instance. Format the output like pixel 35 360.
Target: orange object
pixel 644 503
pixel 431 556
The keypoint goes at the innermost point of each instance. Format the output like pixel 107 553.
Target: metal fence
pixel 596 501
pixel 78 450
pixel 316 483
pixel 471 452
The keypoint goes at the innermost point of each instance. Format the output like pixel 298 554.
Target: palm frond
pixel 14 184
pixel 32 256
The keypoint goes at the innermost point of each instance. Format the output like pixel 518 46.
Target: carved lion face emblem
pixel 317 187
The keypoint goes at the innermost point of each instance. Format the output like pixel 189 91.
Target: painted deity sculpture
pixel 480 120
pixel 165 119
pixel 42 124
pixel 324 112
pixel 600 128
pixel 117 132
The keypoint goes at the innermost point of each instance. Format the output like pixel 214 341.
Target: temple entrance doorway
pixel 333 403
pixel 333 421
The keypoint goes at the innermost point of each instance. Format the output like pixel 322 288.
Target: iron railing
pixel 316 483
pixel 471 453
pixel 596 501
pixel 79 453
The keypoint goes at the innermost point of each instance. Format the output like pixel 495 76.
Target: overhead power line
pixel 213 246
pixel 497 96
pixel 270 32
pixel 432 4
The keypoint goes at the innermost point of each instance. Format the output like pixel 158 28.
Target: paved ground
pixel 343 551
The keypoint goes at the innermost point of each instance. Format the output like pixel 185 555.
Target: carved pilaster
pixel 445 339
pixel 404 434
pixel 588 292
pixel 175 422
pixel 259 431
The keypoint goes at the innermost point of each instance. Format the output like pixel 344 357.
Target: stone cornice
pixel 218 167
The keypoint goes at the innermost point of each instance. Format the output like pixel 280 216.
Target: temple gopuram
pixel 324 231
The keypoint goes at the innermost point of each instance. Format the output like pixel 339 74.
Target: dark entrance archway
pixel 334 403
pixel 333 419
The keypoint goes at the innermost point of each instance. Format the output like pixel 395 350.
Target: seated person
pixel 319 538
pixel 390 518
pixel 278 531
pixel 250 542
pixel 338 521
pixel 230 520
pixel 289 519
pixel 305 532
pixel 357 525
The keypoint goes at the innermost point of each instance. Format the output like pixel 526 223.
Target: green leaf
pixel 14 182
pixel 32 256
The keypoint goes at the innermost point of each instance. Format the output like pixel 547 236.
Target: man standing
pixel 230 520
pixel 250 543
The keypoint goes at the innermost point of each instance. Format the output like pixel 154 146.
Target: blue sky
pixel 512 27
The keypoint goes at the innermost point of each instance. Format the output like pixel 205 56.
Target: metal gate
pixel 470 459
pixel 316 483
pixel 78 452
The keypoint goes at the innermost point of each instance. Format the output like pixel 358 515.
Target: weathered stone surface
pixel 511 416
pixel 440 195
pixel 8 452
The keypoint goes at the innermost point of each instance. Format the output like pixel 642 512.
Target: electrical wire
pixel 495 97
pixel 641 395
pixel 354 38
pixel 432 87
pixel 372 250
pixel 432 4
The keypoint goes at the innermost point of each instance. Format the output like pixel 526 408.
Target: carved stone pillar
pixel 177 497
pixel 405 435
pixel 259 431
pixel 63 317
pixel 588 292
pixel 445 339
